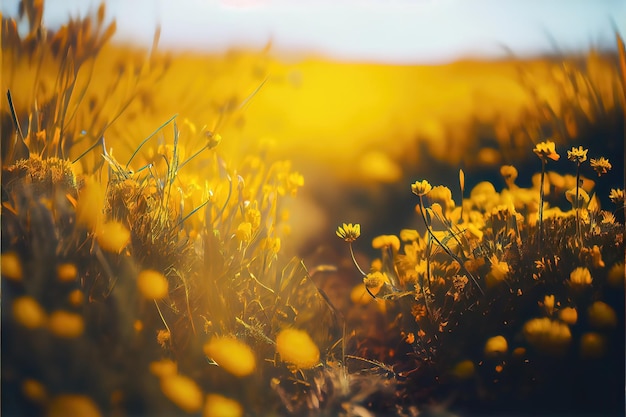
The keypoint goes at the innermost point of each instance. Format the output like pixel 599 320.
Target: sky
pixel 394 31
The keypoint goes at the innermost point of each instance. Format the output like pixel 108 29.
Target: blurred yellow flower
pixel 349 232
pixel 409 235
pixel 113 236
pixel 583 197
pixel 66 405
pixel 421 188
pixel 244 232
pixel 548 303
pixel 568 315
pixel 66 324
pixel 617 275
pixel 546 149
pixel 233 355
pixel 182 391
pixel 547 336
pixel 383 241
pixel 578 155
pixel 496 345
pixel 152 284
pixel 28 312
pixel 580 277
pixel 217 405
pixel 464 369
pixel 67 272
pixel 11 266
pixel 296 347
pixel 601 165
pixel 601 315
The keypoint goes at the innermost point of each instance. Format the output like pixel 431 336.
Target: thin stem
pixel 444 247
pixel 541 193
pixel 354 260
pixel 578 227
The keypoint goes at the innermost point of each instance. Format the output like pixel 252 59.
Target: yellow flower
pixel 349 232
pixel 580 277
pixel 66 272
pixel 219 406
pixel 548 303
pixel 499 271
pixel 409 235
pixel 152 284
pixel 601 315
pixel 508 172
pixel 28 312
pixel 66 324
pixel 375 280
pixel 163 368
pixel 568 315
pixel 601 165
pixel 421 188
pixel 547 336
pixel 233 355
pixel 66 405
pixel 11 266
pixel 583 197
pixel 496 345
pixel 113 236
pixel 546 150
pixel 182 391
pixel 596 257
pixel 577 155
pixel 34 390
pixel 244 231
pixel 296 347
pixel 383 241
pixel 617 195
pixel 617 275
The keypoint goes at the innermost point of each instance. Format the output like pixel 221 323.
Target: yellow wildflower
pixel 499 271
pixel 163 368
pixel 244 232
pixel 509 173
pixel 375 280
pixel 617 195
pixel 219 406
pixel 578 155
pixel 583 197
pixel 442 195
pixel 66 405
pixel 28 312
pixel 66 324
pixel 152 284
pixel 601 165
pixel 11 266
pixel 349 232
pixel 67 272
pixel 547 336
pixel 495 346
pixel 409 235
pixel 546 149
pixel 568 315
pixel 383 241
pixel 617 275
pixel 182 391
pixel 421 188
pixel 113 236
pixel 580 278
pixel 596 257
pixel 296 347
pixel 601 315
pixel 548 303
pixel 76 297
pixel 233 355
